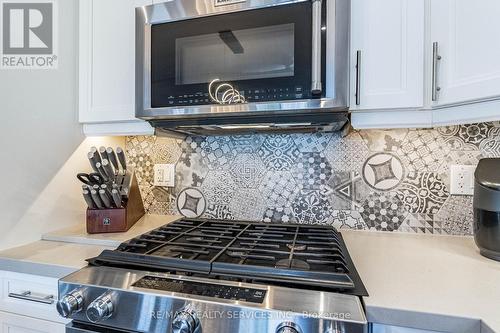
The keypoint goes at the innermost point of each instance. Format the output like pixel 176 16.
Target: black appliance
pixel 487 207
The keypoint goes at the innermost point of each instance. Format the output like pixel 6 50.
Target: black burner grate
pixel 284 253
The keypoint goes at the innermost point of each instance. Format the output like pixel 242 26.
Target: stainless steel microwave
pixel 212 66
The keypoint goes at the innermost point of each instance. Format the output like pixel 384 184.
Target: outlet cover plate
pixel 462 179
pixel 164 175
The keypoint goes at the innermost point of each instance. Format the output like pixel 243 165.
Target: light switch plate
pixel 462 179
pixel 164 175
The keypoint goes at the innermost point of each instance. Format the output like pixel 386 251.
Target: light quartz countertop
pixel 78 234
pixel 45 258
pixel 430 282
pixel 438 283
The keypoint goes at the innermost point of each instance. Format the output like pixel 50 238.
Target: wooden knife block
pixel 117 219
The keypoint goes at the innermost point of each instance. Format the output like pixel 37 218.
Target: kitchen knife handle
pixel 88 200
pixel 102 152
pixel 97 199
pixel 103 173
pixel 93 161
pixel 95 152
pixel 108 168
pixel 122 158
pixel 112 157
pixel 105 199
pixel 117 198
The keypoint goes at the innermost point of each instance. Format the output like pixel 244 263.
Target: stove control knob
pixel 185 321
pixel 288 327
pixel 101 308
pixel 71 303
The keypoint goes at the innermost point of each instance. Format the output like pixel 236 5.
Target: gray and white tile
pixel 312 171
pixel 423 192
pixel 423 150
pixel 191 202
pixel 384 212
pixel 247 170
pixel 247 204
pixel 216 152
pixel 347 219
pixel 383 171
pixel 347 154
pixel 456 216
pixel 278 189
pixel 278 152
pixel 310 207
pixel 218 187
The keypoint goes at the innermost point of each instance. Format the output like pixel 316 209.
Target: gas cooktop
pixel 300 256
pixel 198 275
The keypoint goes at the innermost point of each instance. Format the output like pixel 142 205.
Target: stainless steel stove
pixel 196 275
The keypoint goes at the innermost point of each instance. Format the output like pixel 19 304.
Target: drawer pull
pixel 28 297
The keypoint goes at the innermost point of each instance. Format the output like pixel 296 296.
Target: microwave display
pixel 263 53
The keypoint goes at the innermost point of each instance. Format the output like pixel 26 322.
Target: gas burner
pixel 293 263
pixel 296 247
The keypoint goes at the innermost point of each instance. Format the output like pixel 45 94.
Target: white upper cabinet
pixel 387 54
pixel 466 34
pixel 107 66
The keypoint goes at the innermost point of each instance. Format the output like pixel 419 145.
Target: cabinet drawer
pixel 29 295
pixel 11 323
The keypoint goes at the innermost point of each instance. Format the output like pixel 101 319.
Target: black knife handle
pixel 108 168
pixel 97 199
pixel 95 152
pixel 117 198
pixel 88 200
pixel 112 157
pixel 102 152
pixel 122 158
pixel 102 172
pixel 93 161
pixel 105 199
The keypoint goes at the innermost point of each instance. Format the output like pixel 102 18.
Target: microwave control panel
pixel 251 95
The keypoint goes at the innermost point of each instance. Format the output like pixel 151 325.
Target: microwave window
pixel 248 54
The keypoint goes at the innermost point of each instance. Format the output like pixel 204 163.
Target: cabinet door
pixel 10 323
pixel 467 33
pixel 107 60
pixel 389 36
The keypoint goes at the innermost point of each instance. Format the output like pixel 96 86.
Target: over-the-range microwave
pixel 229 66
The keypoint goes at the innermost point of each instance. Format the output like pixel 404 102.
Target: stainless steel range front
pixel 206 66
pixel 194 276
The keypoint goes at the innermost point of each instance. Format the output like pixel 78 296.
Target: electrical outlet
pixel 462 179
pixel 164 175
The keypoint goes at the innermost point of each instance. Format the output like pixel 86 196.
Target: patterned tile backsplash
pixel 386 180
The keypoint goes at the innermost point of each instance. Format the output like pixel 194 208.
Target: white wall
pixel 39 133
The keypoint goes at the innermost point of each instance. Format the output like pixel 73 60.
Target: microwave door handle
pixel 316 85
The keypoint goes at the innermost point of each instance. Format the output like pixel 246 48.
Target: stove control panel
pixel 202 289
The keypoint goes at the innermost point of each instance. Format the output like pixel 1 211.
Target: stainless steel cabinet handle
pixel 435 68
pixel 316 85
pixel 358 77
pixel 28 297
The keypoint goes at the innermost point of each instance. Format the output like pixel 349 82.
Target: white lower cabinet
pixel 396 329
pixel 12 323
pixel 28 304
